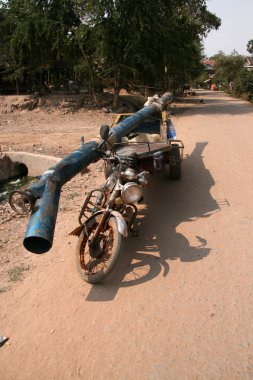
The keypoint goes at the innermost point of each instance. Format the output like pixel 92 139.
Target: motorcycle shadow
pixel 166 205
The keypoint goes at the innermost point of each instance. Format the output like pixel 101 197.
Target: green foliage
pixel 107 42
pixel 37 35
pixel 228 67
pixel 156 43
pixel 250 47
pixel 244 84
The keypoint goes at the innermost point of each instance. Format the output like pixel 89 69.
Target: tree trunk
pixel 17 86
pixel 116 90
pixel 165 78
pixel 91 81
pixel 116 98
pixel 174 86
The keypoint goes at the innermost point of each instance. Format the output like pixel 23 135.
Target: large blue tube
pixel 46 192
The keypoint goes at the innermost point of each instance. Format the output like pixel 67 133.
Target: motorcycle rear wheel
pixel 96 269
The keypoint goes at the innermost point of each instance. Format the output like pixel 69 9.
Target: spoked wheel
pixel 95 263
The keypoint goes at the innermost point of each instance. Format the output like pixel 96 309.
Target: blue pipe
pixel 40 231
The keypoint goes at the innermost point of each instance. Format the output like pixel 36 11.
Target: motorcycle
pixel 108 213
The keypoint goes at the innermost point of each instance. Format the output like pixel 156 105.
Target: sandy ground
pixel 179 303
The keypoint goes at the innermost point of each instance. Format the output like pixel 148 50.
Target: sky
pixel 236 26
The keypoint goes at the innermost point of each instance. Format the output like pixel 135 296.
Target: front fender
pixel 121 223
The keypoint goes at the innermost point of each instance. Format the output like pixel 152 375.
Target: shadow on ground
pixel 167 204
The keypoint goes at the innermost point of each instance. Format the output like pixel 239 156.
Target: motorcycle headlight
pixel 131 192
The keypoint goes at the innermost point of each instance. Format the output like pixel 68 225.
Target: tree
pixel 250 47
pixel 244 84
pixel 228 67
pixel 126 34
pixel 190 22
pixel 148 41
pixel 37 36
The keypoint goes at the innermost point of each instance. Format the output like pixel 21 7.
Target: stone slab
pixel 35 163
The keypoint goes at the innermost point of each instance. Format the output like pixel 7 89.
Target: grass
pixel 16 273
pixel 72 196
pixel 2 290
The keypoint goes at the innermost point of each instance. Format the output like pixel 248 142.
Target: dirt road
pixel 179 305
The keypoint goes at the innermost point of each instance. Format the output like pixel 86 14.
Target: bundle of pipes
pixel 45 194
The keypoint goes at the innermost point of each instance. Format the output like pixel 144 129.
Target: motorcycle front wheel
pixel 94 265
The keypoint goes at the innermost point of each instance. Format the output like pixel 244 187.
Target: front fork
pixel 130 216
pixel 105 217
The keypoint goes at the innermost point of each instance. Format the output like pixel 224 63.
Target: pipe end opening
pixel 37 245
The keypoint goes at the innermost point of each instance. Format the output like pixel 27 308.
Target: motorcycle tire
pixel 95 269
pixel 175 169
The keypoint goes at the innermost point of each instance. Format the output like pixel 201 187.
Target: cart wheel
pixel 175 162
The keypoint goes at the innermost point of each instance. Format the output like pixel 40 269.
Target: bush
pixel 243 84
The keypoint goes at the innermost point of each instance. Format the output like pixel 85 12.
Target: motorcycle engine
pixel 132 161
pixel 132 170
